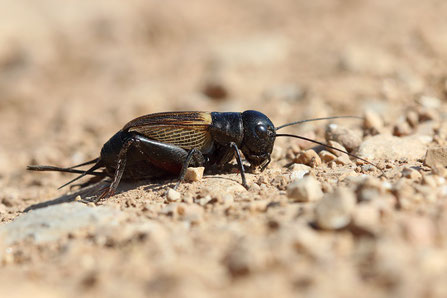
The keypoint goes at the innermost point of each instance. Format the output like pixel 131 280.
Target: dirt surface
pixel 72 73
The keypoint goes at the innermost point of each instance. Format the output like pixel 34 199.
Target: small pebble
pixel 430 102
pixel 326 156
pixel 346 137
pixel 308 157
pixel 402 129
pixel 298 171
pixel 173 195
pixel 412 118
pixel 343 160
pixel 411 173
pixel 305 190
pixel 372 122
pixel 338 146
pixel 335 209
pixel 194 174
pixel 436 157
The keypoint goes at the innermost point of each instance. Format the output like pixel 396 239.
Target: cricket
pixel 165 144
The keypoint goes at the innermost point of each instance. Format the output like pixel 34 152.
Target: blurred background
pixel 73 72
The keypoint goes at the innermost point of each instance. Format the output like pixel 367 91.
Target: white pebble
pixel 194 174
pixel 305 190
pixel 173 195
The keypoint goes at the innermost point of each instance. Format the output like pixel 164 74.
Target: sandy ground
pixel 72 73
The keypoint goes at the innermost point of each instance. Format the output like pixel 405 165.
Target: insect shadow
pixel 162 145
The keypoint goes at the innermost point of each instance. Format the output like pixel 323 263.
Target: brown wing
pixel 184 129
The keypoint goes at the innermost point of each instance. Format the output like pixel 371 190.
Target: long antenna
pixel 331 147
pixel 316 119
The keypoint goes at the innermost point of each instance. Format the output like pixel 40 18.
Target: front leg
pixel 239 162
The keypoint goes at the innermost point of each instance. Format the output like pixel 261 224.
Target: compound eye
pixel 261 130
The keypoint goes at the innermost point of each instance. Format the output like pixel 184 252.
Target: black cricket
pixel 166 144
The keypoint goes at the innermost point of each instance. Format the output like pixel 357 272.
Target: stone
pixel 343 160
pixel 194 174
pixel 299 171
pixel 334 211
pixel 411 173
pixel 429 102
pixel 173 195
pixel 387 147
pixel 402 129
pixel 326 156
pixel 436 157
pixel 308 157
pixel 346 137
pixel 306 189
pixel 338 146
pixel 57 221
pixel 373 122
pixel 412 118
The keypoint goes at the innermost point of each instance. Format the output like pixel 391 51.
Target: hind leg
pixel 166 157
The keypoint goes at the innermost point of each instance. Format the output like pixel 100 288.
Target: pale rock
pixel 411 174
pixel 171 209
pixel 299 171
pixel 188 199
pixel 194 174
pixel 205 200
pixel 254 187
pixel 308 157
pixel 173 195
pixel 306 189
pixel 427 114
pixel 412 118
pixel 373 122
pixel 326 156
pixel 370 189
pixel 337 146
pixel 343 160
pixel 430 102
pixel 402 128
pixel 2 208
pixel 54 222
pixel 346 137
pixel 387 147
pixel 436 157
pixel 334 211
